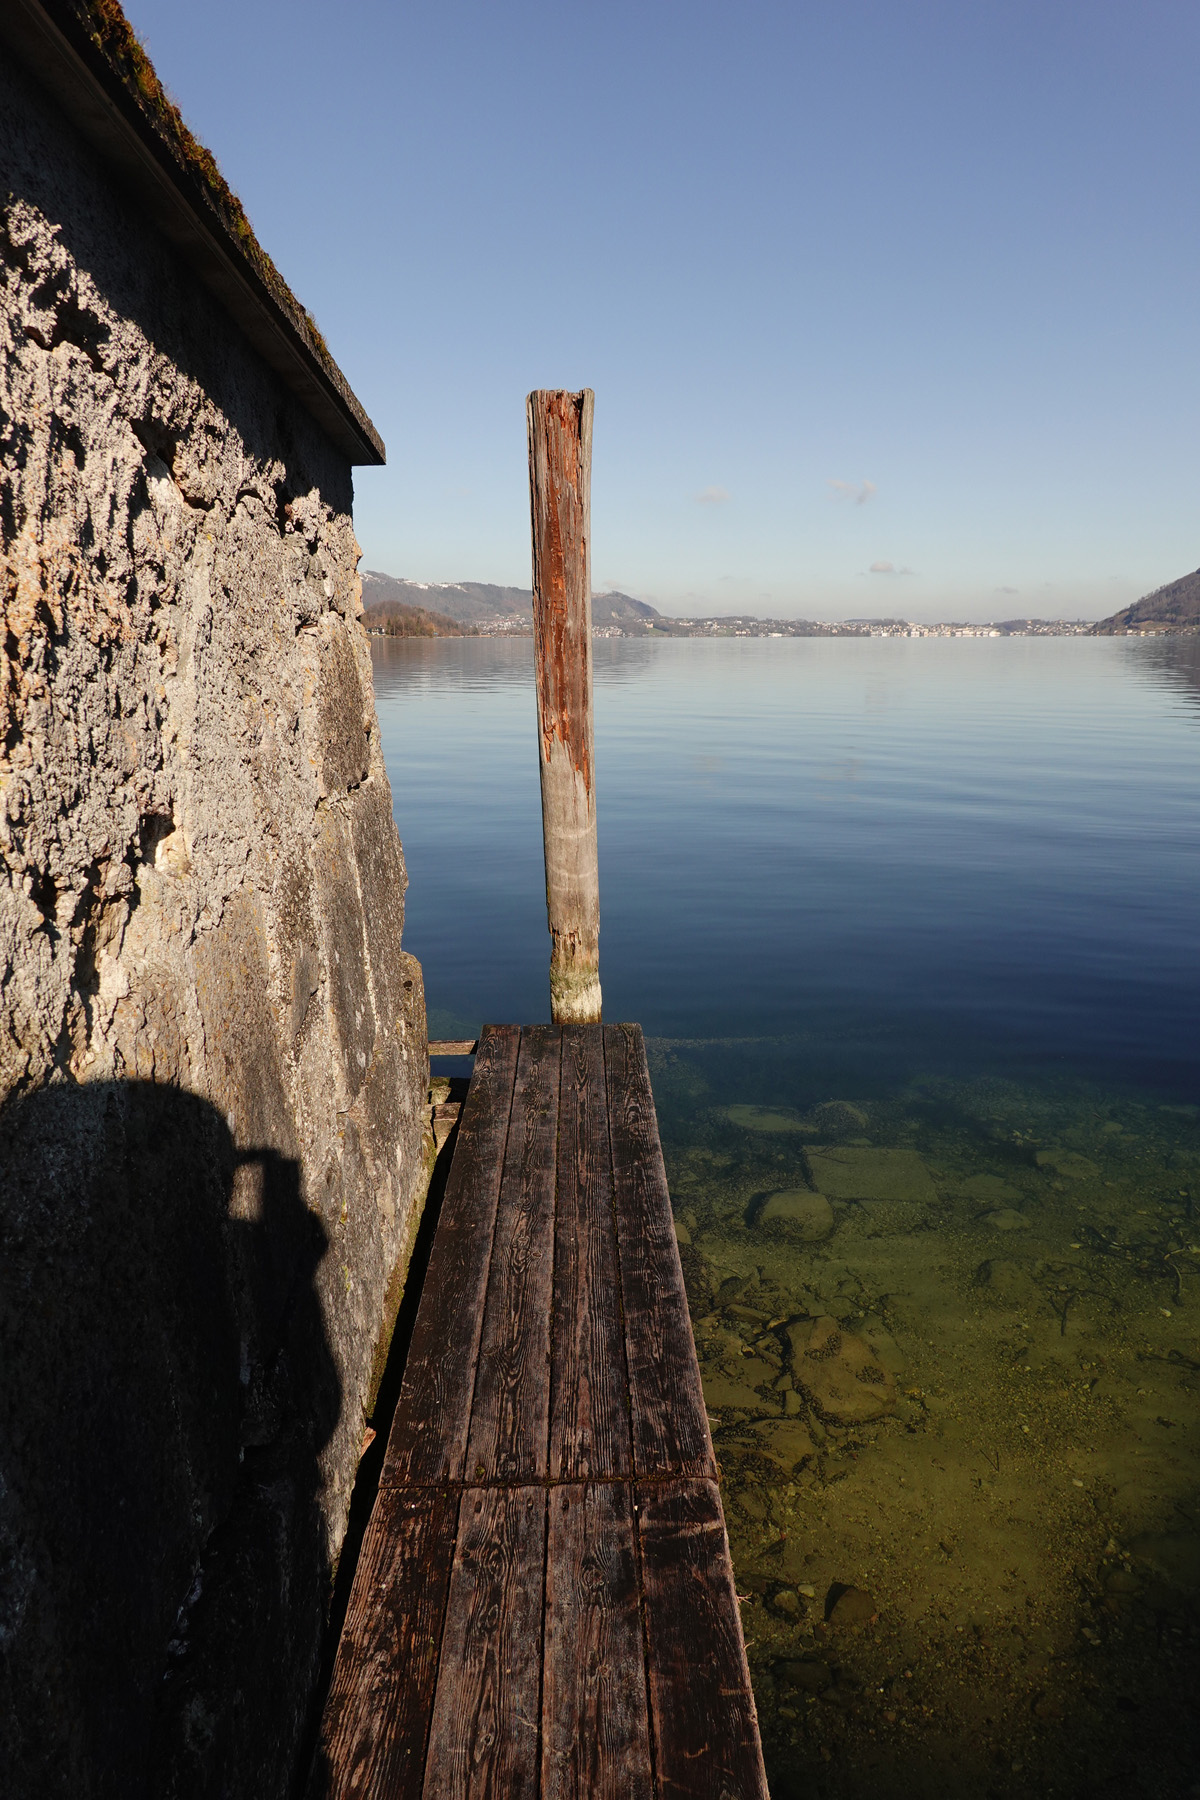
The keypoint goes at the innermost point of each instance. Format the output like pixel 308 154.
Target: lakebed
pixel 972 1563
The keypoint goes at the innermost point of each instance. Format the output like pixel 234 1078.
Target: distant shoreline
pixel 396 607
pixel 508 627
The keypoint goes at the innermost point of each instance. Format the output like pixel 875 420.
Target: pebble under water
pixel 948 1339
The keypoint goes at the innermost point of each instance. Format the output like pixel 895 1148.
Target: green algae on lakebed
pixel 974 1401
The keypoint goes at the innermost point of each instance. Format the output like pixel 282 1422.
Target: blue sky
pixel 889 307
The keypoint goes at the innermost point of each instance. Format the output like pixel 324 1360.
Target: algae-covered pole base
pixel 560 473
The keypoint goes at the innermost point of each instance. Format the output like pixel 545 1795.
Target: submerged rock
pixel 1067 1163
pixel 786 1441
pixel 809 1677
pixel 840 1373
pixel 846 1172
pixel 1009 1282
pixel 838 1119
pixel 850 1606
pixel 757 1372
pixel 1005 1218
pixel 877 1335
pixel 989 1190
pixel 763 1118
pixel 721 1391
pixel 797 1213
pixel 1122 1582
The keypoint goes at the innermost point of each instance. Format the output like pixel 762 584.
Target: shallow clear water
pixel 911 929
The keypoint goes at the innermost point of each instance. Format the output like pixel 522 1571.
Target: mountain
pixel 1175 607
pixel 481 602
pixel 466 602
pixel 392 618
pixel 621 609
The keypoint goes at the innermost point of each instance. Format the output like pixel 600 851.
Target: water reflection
pixel 1006 855
pixel 1173 662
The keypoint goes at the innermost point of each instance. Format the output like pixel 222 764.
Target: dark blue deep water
pixel 921 850
pixel 911 927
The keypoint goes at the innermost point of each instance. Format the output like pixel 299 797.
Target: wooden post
pixel 560 474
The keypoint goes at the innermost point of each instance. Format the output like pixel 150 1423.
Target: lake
pixel 911 928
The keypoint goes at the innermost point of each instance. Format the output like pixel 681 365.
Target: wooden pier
pixel 544 1603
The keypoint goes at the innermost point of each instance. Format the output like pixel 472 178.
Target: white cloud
pixel 1008 590
pixel 857 491
pixel 712 496
pixel 887 568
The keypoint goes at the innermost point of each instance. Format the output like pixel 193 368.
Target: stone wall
pixel 212 1046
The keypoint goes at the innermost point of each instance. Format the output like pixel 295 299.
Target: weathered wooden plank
pixel 376 1718
pixel 560 471
pixel 453 1046
pixel 670 1426
pixel 589 1420
pixel 510 1418
pixel 429 1431
pixel 560 1644
pixel 484 1738
pixel 703 1721
pixel 595 1727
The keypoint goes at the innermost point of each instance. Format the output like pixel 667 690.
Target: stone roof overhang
pixel 56 42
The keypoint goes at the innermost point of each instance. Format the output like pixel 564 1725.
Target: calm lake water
pixel 911 928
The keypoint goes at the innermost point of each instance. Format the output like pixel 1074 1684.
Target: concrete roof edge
pixel 51 39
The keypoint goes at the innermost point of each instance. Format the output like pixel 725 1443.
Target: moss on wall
pixel 108 30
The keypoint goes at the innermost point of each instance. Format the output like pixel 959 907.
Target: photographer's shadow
pixel 166 1388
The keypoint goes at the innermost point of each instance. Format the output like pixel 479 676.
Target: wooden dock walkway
pixel 544 1603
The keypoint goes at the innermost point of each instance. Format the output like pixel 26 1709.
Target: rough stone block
pixel 212 1044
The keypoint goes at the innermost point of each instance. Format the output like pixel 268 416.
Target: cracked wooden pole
pixel 560 475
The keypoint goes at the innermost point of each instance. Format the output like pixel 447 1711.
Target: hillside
pixel 1175 607
pixel 393 618
pixel 482 602
pixel 466 602
pixel 621 609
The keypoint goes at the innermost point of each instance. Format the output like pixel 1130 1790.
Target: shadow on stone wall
pixel 166 1386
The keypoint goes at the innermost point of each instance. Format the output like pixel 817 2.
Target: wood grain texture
pixel 560 467
pixel 376 1718
pixel 670 1426
pixel 429 1430
pixel 705 1729
pixel 484 1738
pixel 595 1730
pixel 589 1420
pixel 508 1638
pixel 510 1418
